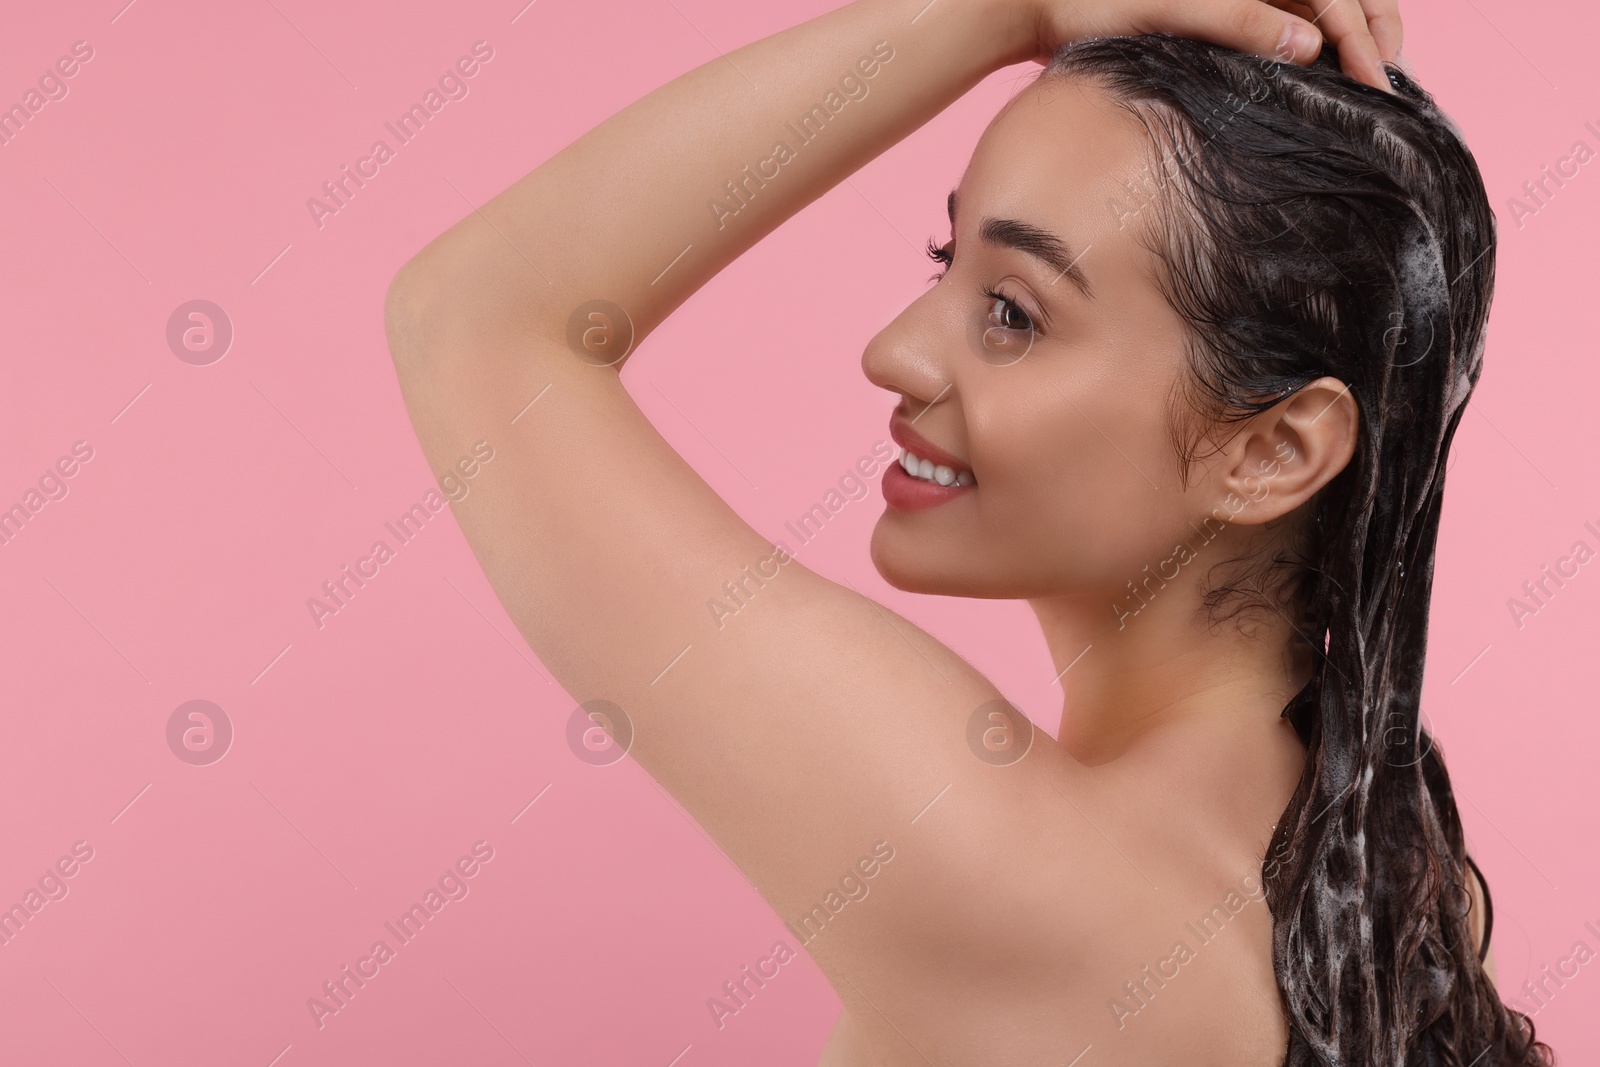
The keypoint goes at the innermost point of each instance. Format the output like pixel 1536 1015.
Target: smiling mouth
pixel 928 471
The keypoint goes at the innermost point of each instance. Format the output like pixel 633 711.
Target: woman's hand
pixel 1363 31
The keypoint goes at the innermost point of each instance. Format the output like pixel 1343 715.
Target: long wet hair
pixel 1306 225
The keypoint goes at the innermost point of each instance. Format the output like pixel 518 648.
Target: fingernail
pixel 1299 38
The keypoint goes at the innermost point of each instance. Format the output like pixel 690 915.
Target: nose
pixel 908 356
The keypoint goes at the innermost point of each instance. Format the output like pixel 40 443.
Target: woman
pixel 1212 306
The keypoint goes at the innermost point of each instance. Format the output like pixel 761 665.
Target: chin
pixel 899 561
pixel 899 567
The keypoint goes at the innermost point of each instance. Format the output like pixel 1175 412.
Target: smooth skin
pixel 1020 898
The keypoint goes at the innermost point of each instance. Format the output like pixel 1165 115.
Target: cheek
pixel 1059 442
pixel 1081 477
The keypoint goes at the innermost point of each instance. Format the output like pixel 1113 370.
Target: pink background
pixel 373 752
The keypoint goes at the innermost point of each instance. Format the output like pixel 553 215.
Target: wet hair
pixel 1308 225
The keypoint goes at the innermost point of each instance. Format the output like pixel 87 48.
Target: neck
pixel 1128 677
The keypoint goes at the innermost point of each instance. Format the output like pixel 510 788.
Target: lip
pixel 905 493
pixel 911 441
pixel 902 491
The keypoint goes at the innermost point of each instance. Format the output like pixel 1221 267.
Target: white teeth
pixel 929 472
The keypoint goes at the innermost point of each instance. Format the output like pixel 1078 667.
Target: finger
pixel 1299 10
pixel 1345 24
pixel 1248 26
pixel 1383 21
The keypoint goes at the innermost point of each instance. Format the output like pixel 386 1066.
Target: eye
pixel 939 255
pixel 1007 314
pixel 1011 315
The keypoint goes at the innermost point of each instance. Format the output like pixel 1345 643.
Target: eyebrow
pixel 1039 243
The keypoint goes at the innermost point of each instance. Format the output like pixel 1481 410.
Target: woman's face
pixel 1056 401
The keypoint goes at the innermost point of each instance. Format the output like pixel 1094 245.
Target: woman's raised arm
pixel 816 725
pixel 649 205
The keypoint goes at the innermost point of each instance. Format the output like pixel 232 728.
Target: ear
pixel 1285 454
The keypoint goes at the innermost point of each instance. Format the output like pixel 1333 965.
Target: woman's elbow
pixel 443 304
pixel 405 312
